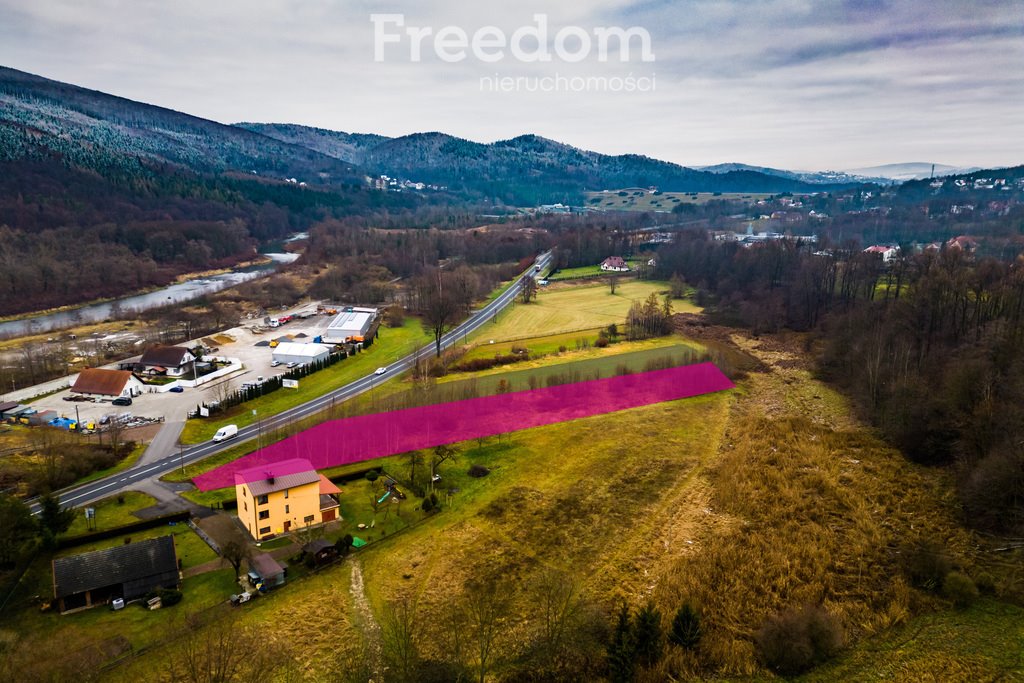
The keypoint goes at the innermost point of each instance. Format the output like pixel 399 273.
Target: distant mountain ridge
pixel 528 168
pixel 915 170
pixel 41 117
pixel 814 177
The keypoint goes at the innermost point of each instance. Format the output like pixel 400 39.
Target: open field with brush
pixel 743 503
pixel 746 503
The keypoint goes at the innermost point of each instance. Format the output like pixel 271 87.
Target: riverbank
pixel 263 260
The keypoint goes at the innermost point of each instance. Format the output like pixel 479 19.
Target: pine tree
pixel 686 631
pixel 650 639
pixel 622 650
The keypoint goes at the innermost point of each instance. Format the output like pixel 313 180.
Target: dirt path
pixel 371 628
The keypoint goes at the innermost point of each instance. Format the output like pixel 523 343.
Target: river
pixel 172 294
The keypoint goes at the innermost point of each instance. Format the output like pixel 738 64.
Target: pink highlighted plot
pixel 355 439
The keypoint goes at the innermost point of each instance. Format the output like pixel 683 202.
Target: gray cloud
pixel 777 82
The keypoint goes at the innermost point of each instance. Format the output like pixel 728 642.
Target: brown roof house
pixel 615 264
pixel 128 572
pixel 173 361
pixel 101 382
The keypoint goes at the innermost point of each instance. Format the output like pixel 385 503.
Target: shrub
pixel 986 583
pixel 795 640
pixel 601 342
pixel 562 348
pixel 344 544
pixel 927 564
pixel 959 588
pixel 685 628
pixel 478 471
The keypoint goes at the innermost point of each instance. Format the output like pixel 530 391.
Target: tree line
pixel 929 346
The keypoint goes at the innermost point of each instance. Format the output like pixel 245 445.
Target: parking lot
pixel 248 342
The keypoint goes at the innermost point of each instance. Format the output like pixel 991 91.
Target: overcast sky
pixel 785 83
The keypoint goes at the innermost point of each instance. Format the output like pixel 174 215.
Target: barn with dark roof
pixel 125 571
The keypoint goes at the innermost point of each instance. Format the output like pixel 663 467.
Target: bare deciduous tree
pixel 399 632
pixel 485 610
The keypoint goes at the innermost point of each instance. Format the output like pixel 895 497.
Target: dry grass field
pixel 743 503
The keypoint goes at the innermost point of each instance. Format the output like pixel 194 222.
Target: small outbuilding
pixel 128 572
pixel 322 551
pixel 265 572
pixel 111 383
pixel 293 352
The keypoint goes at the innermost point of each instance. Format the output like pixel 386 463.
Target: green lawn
pixel 110 513
pixel 392 344
pixel 591 271
pixel 517 377
pixel 571 308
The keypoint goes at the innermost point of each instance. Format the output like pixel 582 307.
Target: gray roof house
pixel 125 571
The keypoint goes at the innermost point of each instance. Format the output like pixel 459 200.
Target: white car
pixel 380 371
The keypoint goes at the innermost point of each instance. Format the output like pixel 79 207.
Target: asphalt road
pixel 101 488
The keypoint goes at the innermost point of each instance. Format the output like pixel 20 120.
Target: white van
pixel 226 432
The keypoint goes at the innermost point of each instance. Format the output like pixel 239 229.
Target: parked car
pixel 177 389
pixel 274 363
pixel 121 401
pixel 291 365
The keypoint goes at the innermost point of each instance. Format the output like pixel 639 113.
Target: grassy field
pixel 563 309
pixel 392 344
pixel 638 199
pixel 744 502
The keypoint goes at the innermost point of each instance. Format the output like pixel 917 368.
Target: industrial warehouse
pixel 350 325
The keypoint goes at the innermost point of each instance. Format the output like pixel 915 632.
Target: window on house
pixel 264 514
pixel 265 530
pixel 308 519
pixel 286 509
pixel 262 500
pixel 286 493
pixel 245 505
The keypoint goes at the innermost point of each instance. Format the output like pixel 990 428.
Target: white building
pixel 351 325
pixel 293 352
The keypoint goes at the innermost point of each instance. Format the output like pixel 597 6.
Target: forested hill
pixel 525 170
pixel 113 135
pixel 100 195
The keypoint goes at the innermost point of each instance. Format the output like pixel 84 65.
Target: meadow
pixel 743 504
pixel 569 308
